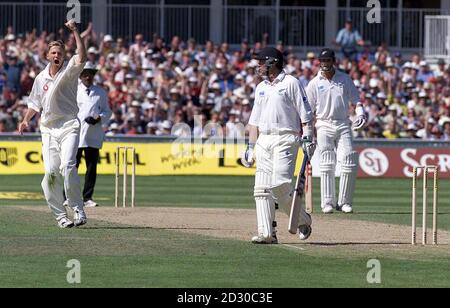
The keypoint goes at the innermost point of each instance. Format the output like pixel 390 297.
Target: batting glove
pixel 361 119
pixel 247 158
pixel 309 146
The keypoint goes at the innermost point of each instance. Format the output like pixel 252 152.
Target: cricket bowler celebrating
pixel 280 108
pixel 330 94
pixel 54 95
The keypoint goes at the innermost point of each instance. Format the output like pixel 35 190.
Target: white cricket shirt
pixel 330 99
pixel 281 106
pixel 93 105
pixel 56 98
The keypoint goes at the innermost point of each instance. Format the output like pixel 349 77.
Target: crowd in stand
pixel 154 86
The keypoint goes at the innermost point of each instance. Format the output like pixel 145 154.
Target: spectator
pixel 446 126
pixel 13 70
pixel 348 39
pixel 214 80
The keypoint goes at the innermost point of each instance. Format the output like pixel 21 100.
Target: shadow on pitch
pixel 323 244
pixel 145 228
pixel 390 213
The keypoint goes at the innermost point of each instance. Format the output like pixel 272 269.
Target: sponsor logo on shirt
pixel 321 88
pixel 262 93
pixel 281 91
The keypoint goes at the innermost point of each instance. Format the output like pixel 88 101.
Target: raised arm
pixel 81 50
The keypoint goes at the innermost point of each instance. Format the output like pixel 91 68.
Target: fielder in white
pixel 280 108
pixel 54 95
pixel 330 94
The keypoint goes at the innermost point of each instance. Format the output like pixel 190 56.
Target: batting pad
pixel 348 178
pixel 265 205
pixel 327 178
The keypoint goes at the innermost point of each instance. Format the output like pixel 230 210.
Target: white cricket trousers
pixel 59 151
pixel 335 143
pixel 276 156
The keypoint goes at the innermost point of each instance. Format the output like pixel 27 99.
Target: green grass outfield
pixel 34 253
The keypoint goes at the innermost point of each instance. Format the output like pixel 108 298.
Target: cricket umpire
pixel 94 111
pixel 331 94
pixel 281 109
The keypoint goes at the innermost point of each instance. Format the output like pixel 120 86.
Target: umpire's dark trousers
pixel 91 157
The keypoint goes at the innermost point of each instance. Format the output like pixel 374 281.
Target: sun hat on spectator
pixel 423 94
pixel 373 83
pixel 253 63
pixel 245 101
pixel 374 69
pixel 114 126
pixel 149 74
pixel 12 53
pixel 108 38
pixel 10 37
pixel 193 79
pixel 431 121
pixel 392 108
pixel 170 54
pixel 215 86
pixel 174 91
pixel 125 64
pixel 410 85
pixel 162 67
pixel 407 65
pixel 381 95
pixel 427 86
pixel 389 63
pixel 129 76
pixel 151 95
pixel 311 55
pixel 111 56
pixel 357 83
pixel 135 104
pixel 239 77
pixel 444 120
pixel 92 50
pixel 423 63
pixel 152 125
pixel 411 104
pixel 146 67
pixel 166 124
pixel 412 127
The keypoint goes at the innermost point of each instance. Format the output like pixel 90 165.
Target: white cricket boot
pixel 90 203
pixel 80 218
pixel 65 223
pixel 261 240
pixel 346 209
pixel 328 209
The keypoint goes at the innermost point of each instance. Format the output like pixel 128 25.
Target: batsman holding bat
pixel 330 94
pixel 280 108
pixel 54 95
